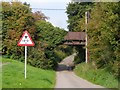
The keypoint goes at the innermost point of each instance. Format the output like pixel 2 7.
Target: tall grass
pixel 13 76
pixel 0 73
pixel 97 76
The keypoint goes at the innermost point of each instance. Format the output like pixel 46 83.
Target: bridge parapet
pixel 75 38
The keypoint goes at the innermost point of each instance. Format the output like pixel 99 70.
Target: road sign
pixel 26 40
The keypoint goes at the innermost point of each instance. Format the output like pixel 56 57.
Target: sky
pixel 58 18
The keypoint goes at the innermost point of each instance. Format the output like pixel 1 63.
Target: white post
pixel 86 49
pixel 86 21
pixel 25 59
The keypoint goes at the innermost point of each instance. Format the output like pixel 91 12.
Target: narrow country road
pixel 68 79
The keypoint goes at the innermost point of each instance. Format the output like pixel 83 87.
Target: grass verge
pixel 0 73
pixel 13 76
pixel 0 58
pixel 97 76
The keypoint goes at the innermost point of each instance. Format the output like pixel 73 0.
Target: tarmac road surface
pixel 68 79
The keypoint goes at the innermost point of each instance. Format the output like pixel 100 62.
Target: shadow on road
pixel 62 67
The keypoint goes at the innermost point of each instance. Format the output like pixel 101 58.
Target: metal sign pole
pixel 25 40
pixel 25 59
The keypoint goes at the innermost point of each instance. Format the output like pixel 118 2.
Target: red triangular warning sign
pixel 26 40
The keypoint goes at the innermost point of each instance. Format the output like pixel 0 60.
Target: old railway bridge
pixel 76 38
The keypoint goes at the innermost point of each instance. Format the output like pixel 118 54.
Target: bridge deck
pixel 75 38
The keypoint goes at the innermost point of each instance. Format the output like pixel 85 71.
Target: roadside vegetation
pixel 13 76
pixel 18 17
pixel 0 38
pixel 0 58
pixel 103 30
pixel 0 73
pixel 98 76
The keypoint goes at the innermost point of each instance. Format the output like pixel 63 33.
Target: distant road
pixel 68 79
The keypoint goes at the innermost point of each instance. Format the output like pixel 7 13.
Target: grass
pixel 13 76
pixel 97 76
pixel 0 74
pixel 0 58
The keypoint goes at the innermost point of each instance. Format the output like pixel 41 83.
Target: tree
pixel 16 19
pixel 39 16
pixel 103 33
pixel 76 12
pixel 50 37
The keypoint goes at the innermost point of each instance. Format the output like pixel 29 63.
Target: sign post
pixel 25 60
pixel 26 40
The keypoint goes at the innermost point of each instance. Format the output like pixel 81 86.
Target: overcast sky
pixel 57 17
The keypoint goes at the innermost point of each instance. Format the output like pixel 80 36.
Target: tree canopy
pixel 76 12
pixel 103 32
pixel 18 17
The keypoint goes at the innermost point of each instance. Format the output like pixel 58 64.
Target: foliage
pixel 76 12
pixel 103 33
pixel 50 37
pixel 0 73
pixel 18 17
pixel 106 32
pixel 39 16
pixel 0 29
pixel 104 36
pixel 63 51
pixel 80 57
pixel 97 76
pixel 49 34
pixel 13 76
